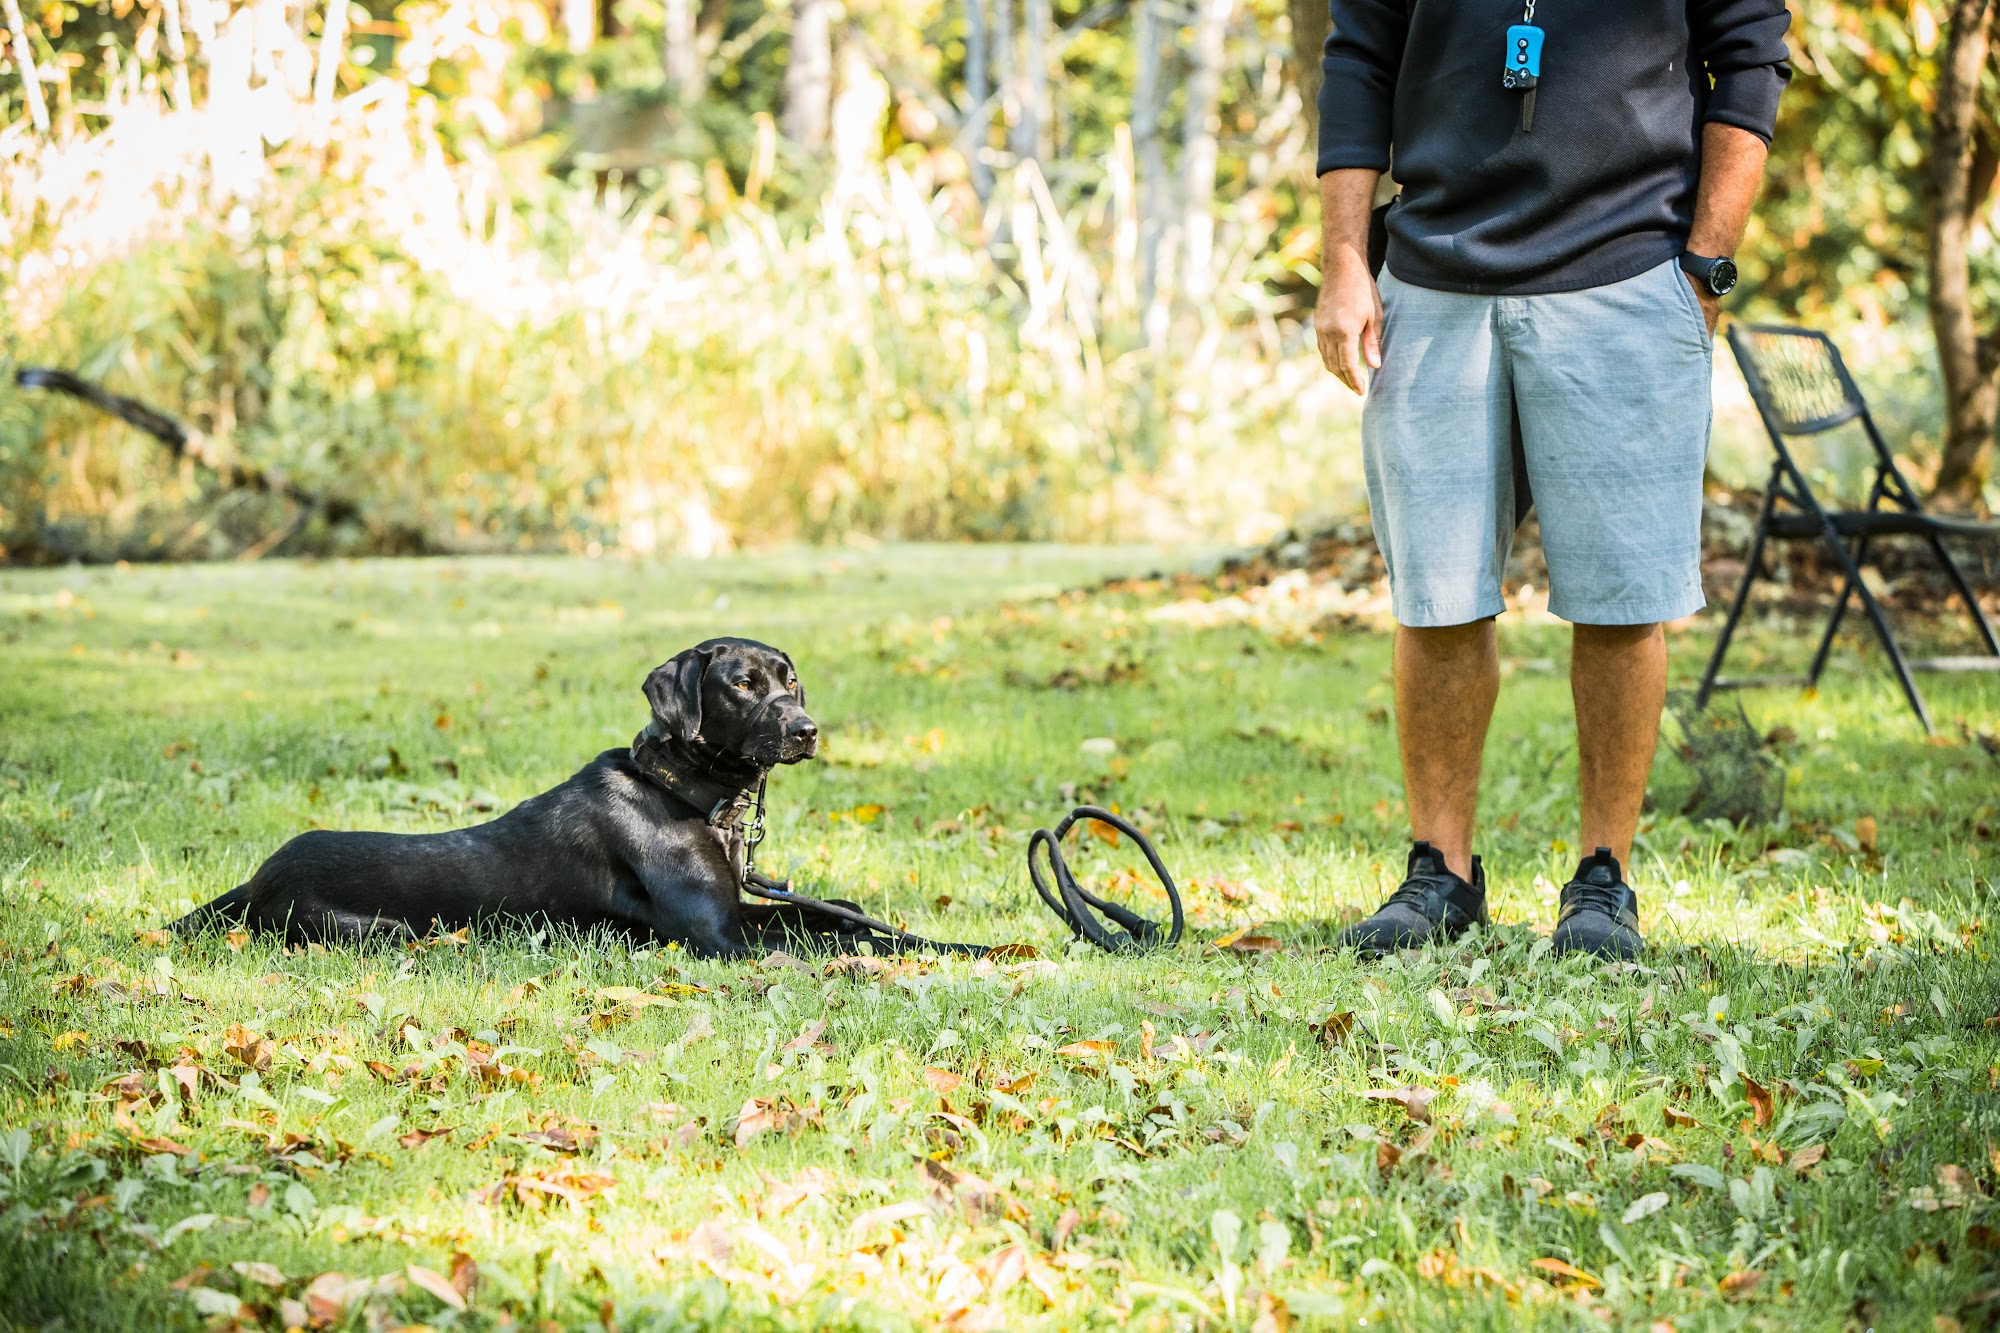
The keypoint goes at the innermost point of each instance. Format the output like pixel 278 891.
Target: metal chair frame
pixel 1797 399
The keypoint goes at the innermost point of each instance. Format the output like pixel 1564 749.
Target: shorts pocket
pixel 1684 292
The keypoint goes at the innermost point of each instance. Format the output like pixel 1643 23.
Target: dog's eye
pixel 743 685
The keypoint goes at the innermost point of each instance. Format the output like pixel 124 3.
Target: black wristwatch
pixel 1717 275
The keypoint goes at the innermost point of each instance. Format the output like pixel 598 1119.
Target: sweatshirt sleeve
pixel 1357 91
pixel 1742 45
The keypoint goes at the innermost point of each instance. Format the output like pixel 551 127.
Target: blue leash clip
pixel 1524 57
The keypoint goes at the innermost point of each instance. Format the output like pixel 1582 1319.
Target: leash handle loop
pixel 1075 902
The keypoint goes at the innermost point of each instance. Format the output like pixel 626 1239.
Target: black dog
pixel 648 841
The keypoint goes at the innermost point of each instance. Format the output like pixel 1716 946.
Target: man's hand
pixel 1711 304
pixel 1348 320
pixel 1348 315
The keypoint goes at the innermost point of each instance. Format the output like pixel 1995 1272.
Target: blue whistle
pixel 1524 57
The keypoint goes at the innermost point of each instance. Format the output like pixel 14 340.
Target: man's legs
pixel 1446 681
pixel 1618 678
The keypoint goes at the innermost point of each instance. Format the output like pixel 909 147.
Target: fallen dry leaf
pixel 1864 832
pixel 761 1115
pixel 1251 944
pixel 1808 1157
pixel 807 1038
pixel 263 1274
pixel 417 1138
pixel 812 1183
pixel 1012 953
pixel 1387 1155
pixel 1565 1272
pixel 436 1283
pixel 1760 1100
pixel 942 1081
pixel 250 1048
pixel 1085 1050
pixel 1679 1119
pixel 1333 1029
pixel 1741 1283
pixel 1415 1101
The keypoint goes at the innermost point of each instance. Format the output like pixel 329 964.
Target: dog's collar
pixel 722 801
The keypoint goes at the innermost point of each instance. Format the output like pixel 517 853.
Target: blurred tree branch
pixel 1961 173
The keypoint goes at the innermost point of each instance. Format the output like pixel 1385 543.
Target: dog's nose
pixel 805 729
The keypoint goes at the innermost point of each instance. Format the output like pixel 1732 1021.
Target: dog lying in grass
pixel 648 841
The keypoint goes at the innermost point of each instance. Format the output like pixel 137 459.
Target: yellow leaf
pixel 1566 1272
pixel 71 1039
pixel 1084 1050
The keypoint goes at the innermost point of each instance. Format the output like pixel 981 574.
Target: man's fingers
pixel 1371 342
pixel 1351 372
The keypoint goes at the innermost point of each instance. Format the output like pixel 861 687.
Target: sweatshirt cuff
pixel 1748 99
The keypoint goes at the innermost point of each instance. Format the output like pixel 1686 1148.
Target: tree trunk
pixel 1003 64
pixel 1198 150
pixel 170 16
pixel 1034 95
pixel 1970 363
pixel 680 53
pixel 579 25
pixel 332 50
pixel 1311 21
pixel 1148 99
pixel 809 76
pixel 978 92
pixel 24 61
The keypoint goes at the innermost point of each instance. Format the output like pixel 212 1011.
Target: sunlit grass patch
pixel 1781 1117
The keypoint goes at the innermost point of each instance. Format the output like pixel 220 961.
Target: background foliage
pixel 510 289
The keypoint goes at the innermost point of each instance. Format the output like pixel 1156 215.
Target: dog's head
pixel 736 699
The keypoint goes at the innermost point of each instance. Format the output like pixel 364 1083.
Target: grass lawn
pixel 1786 1118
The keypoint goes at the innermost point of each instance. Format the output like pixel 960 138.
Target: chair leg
pixel 1751 565
pixel 1957 577
pixel 1839 614
pixel 1882 631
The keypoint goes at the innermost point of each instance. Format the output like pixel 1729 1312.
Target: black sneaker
pixel 1600 913
pixel 1432 905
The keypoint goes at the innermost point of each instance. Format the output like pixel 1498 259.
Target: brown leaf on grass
pixel 976 1197
pixel 763 1115
pixel 1332 1030
pixel 155 938
pixel 464 1275
pixel 1012 953
pixel 263 1274
pixel 437 1284
pixel 1760 1100
pixel 1565 1272
pixel 417 1138
pixel 1740 1284
pixel 260 1194
pixel 860 965
pixel 1250 945
pixel 1015 1086
pixel 534 1188
pixel 1864 833
pixel 808 1037
pixel 1087 1050
pixel 384 1071
pixel 942 1081
pixel 1679 1119
pixel 812 1183
pixel 1808 1157
pixel 143 1141
pixel 779 958
pixel 250 1048
pixel 563 1134
pixel 1387 1155
pixel 1415 1101
pixel 194 1277
pixel 237 940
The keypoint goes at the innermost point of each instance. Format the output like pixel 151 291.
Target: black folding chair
pixel 1801 387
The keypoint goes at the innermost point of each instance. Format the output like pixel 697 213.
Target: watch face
pixel 1722 278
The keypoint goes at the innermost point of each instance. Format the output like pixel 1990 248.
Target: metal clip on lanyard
pixel 1523 70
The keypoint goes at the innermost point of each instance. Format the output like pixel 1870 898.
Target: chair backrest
pixel 1796 376
pixel 1801 386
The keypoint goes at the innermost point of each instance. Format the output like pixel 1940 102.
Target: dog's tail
pixel 155 423
pixel 231 909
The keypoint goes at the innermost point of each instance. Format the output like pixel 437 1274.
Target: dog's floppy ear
pixel 674 690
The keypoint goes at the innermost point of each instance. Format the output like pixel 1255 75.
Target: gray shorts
pixel 1594 402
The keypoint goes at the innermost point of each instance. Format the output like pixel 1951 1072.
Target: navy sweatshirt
pixel 1603 187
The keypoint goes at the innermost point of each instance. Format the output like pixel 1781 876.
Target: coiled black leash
pixel 1137 936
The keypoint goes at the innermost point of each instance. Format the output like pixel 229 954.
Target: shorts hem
pixel 1653 612
pixel 1447 615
